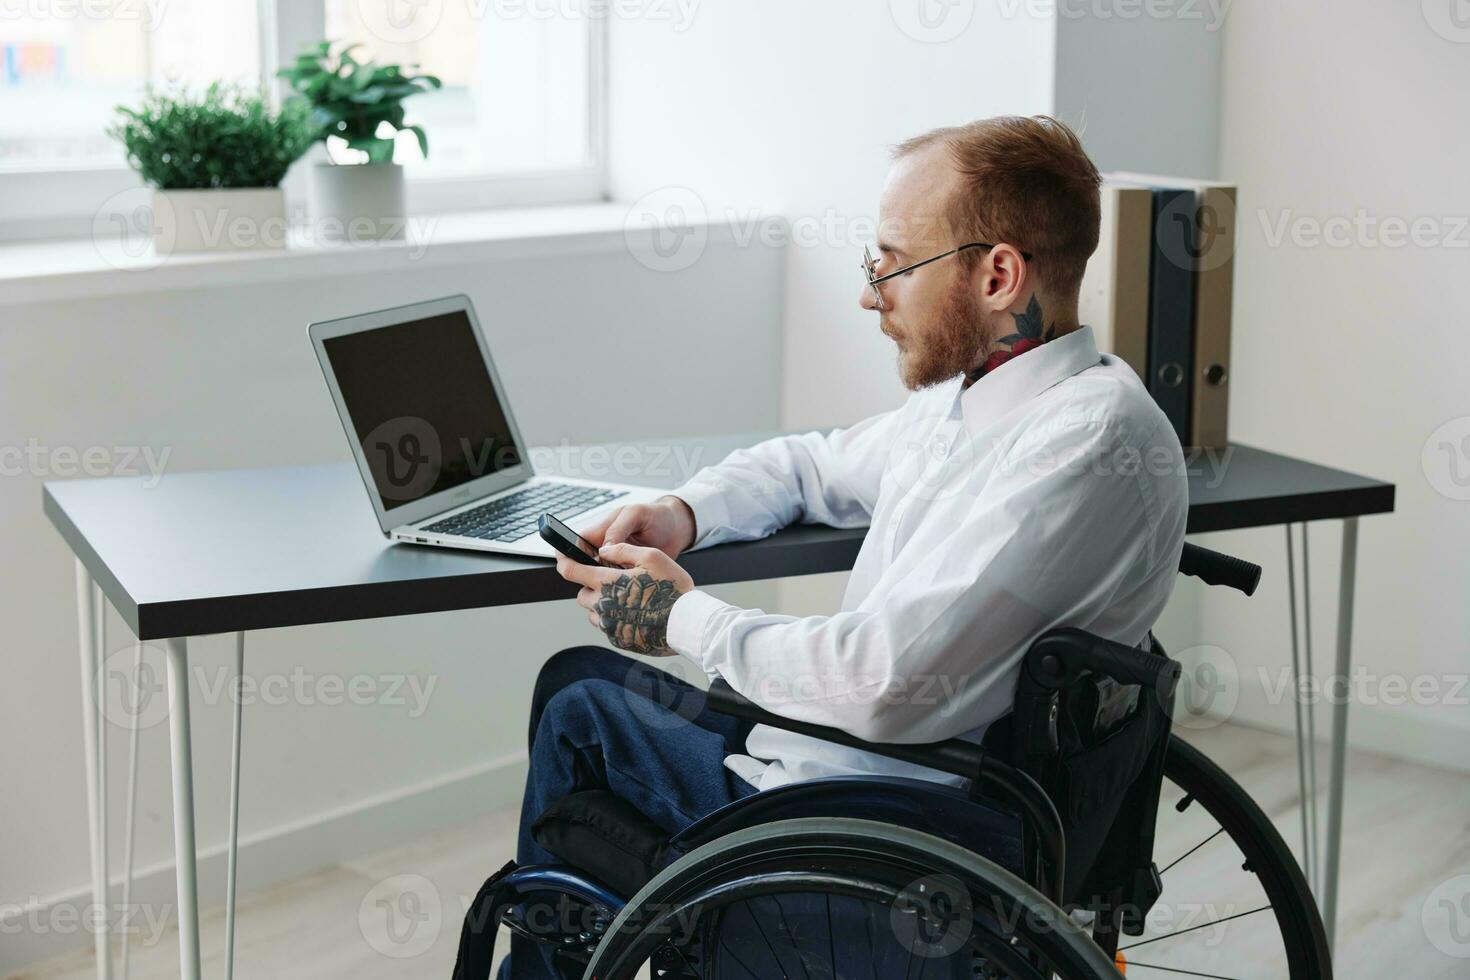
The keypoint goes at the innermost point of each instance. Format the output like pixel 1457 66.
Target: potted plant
pixel 360 104
pixel 215 160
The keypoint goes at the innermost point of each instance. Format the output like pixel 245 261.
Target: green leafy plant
pixel 353 99
pixel 222 137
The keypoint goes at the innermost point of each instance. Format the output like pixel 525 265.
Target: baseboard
pixel 273 855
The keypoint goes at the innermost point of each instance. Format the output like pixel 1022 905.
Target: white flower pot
pixel 358 202
pixel 218 220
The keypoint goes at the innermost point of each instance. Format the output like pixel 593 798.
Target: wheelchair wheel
pixel 1235 903
pixel 936 902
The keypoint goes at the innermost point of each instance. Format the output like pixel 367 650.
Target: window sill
pixel 34 272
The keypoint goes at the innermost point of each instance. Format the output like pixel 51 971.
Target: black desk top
pixel 216 552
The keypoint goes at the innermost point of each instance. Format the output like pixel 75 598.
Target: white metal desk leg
pixel 183 776
pixel 88 612
pixel 1346 584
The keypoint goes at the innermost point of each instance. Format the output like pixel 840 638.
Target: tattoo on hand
pixel 635 613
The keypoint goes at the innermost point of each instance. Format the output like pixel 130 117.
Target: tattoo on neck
pixel 1032 330
pixel 635 613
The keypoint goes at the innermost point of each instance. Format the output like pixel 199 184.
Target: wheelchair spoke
pixel 762 933
pixel 1192 850
pixel 1134 964
pixel 831 940
pixel 791 936
pixel 1203 925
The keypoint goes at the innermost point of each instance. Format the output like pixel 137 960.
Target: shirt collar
pixel 1022 378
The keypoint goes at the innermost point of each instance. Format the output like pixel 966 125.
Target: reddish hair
pixel 1027 182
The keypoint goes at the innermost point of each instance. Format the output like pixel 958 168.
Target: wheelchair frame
pixel 1055 661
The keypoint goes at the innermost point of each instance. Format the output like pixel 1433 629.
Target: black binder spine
pixel 1171 304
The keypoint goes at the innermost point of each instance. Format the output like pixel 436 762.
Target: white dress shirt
pixel 1049 493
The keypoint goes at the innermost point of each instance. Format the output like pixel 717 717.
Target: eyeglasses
pixel 870 268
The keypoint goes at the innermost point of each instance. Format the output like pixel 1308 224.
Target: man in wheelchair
pixel 1028 483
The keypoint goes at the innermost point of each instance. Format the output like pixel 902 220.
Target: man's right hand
pixel 666 524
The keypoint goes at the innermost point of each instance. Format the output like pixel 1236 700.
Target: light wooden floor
pixel 1406 833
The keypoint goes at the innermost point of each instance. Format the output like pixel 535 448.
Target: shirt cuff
pixel 687 621
pixel 707 502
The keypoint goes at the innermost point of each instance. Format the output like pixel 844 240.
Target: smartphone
pixel 567 541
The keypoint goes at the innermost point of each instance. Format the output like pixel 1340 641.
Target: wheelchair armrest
pixel 954 756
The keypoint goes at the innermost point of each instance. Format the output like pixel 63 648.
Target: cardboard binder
pixel 1114 296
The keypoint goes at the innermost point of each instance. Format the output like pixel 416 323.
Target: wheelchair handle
pixel 1215 568
pixel 1055 660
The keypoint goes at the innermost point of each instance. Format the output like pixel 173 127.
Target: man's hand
pixel 630 604
pixel 666 524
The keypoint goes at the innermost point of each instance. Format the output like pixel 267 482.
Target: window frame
pixel 64 203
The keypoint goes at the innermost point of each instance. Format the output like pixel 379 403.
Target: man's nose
pixel 868 300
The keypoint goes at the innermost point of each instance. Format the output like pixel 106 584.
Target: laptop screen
pixel 422 405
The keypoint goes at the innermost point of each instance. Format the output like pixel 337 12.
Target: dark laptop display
pixel 422 406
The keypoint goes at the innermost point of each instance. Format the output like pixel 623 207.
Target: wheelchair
pixel 1041 863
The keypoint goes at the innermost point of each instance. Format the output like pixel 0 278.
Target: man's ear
pixel 1003 278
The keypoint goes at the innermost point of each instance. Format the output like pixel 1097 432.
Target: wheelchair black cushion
pixel 605 836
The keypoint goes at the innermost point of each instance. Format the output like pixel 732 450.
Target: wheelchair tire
pixel 1267 856
pixel 871 861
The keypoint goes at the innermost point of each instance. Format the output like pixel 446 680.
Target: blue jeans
pixel 600 720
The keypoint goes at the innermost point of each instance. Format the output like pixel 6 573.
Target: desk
pixel 227 552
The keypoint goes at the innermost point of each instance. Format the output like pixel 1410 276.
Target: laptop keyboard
pixel 513 517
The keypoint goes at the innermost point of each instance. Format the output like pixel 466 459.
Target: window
pixel 515 80
pixel 519 120
pixel 64 67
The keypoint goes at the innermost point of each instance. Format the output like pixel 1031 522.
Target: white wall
pixel 223 377
pixel 1354 356
pixel 764 106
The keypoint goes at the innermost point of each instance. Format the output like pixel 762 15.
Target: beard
pixel 947 346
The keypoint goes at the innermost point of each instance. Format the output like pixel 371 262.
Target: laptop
pixel 434 436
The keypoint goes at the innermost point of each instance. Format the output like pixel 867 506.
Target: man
pixel 1028 483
